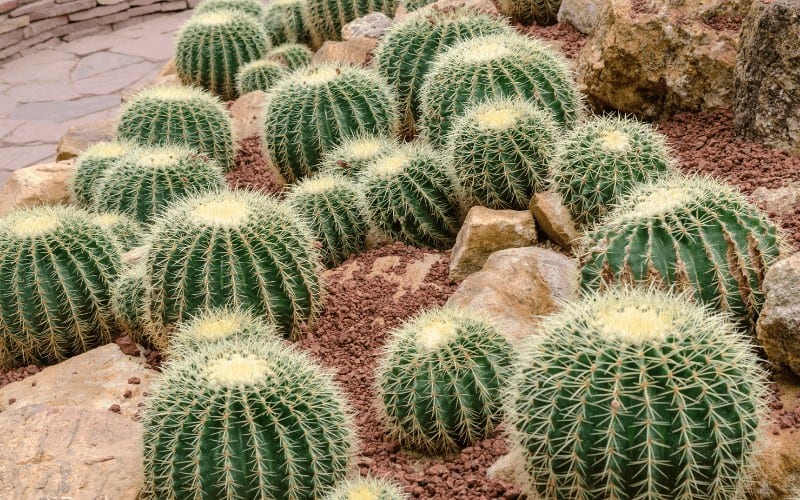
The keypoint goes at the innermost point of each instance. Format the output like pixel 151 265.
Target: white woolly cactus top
pixel 106 149
pixel 285 2
pixel 41 220
pixel 237 370
pixel 176 93
pixel 225 212
pixel 216 17
pixel 482 49
pixel 319 75
pixel 322 183
pixel 160 156
pixel 498 115
pixel 363 148
pixel 216 325
pixel 388 166
pixel 435 331
pixel 108 219
pixel 367 488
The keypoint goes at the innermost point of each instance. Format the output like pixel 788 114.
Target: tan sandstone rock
pixel 79 137
pixel 782 201
pixel 778 327
pixel 355 52
pixel 168 69
pixel 247 115
pixel 45 184
pixel 373 25
pixel 554 219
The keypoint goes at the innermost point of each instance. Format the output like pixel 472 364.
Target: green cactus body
pixel 146 180
pixel 412 5
pixel 412 195
pixel 91 167
pixel 326 18
pixel 126 231
pixel 694 234
pixel 253 8
pixel 183 116
pixel 56 271
pixel 292 55
pixel 284 22
pixel 367 488
pixel 406 52
pixel 128 296
pixel 237 249
pixel 334 210
pixel 502 151
pixel 259 75
pixel 635 394
pixel 441 378
pixel 600 160
pixel 219 325
pixel 313 109
pixel 541 12
pixel 245 419
pixel 354 154
pixel 507 65
pixel 212 47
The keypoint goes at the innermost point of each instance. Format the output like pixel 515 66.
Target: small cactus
pixel 253 8
pixel 183 116
pixel 635 394
pixel 218 325
pixel 128 296
pixel 355 153
pixel 502 151
pixel 126 231
pixel 440 380
pixel 284 22
pixel 291 55
pixel 367 488
pixel 326 18
pixel 258 75
pixel 541 12
pixel 90 168
pixel 245 419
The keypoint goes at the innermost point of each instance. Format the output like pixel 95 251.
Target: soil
pixel 732 24
pixel 251 170
pixel 569 40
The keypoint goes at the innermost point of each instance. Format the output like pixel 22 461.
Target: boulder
pixel 355 52
pixel 518 285
pixel 553 217
pixel 45 184
pixel 584 15
pixel 485 6
pixel 779 202
pixel 247 115
pixel 778 326
pixel 168 69
pixel 373 25
pixel 766 105
pixel 486 231
pixel 79 137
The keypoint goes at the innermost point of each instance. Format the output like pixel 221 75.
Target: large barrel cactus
pixel 355 153
pixel 292 55
pixel 541 12
pixel 367 488
pixel 284 22
pixel 326 18
pixel 634 394
pixel 219 324
pixel 91 166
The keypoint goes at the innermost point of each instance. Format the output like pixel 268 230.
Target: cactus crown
pixel 367 488
pixel 291 55
pixel 353 154
pixel 124 229
pixel 91 167
pixel 250 7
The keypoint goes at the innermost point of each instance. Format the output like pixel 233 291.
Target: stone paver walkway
pixel 46 92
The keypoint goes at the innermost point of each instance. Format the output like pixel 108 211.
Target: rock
pixel 518 285
pixel 79 137
pixel 508 468
pixel 373 25
pixel 778 326
pixel 135 256
pixel 486 231
pixel 355 52
pixel 45 184
pixel 584 15
pixel 168 69
pixel 767 78
pixel 782 201
pixel 554 219
pixel 247 113
pixel 485 6
pixel 656 62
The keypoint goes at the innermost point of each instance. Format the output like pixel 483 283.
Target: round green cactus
pixel 502 151
pixel 693 234
pixel 127 302
pixel 238 249
pixel 126 231
pixel 245 419
pixel 333 207
pixel 284 22
pixel 355 153
pixel 147 179
pixel 406 52
pixel 292 55
pixel 253 8
pixel 184 116
pixel 412 195
pixel 507 65
pixel 258 75
pixel 441 378
pixel 635 394
pixel 211 47
pixel 412 5
pixel 541 12
pixel 57 267
pixel 601 159
pixel 313 109
pixel 367 488
pixel 326 18
pixel 90 168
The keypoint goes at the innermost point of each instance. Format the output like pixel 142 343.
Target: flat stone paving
pixel 48 91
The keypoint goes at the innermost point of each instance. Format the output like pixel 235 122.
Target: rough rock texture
pixel 778 327
pixel 373 25
pixel 486 231
pixel 80 137
pixel 247 115
pixel 767 85
pixel 584 15
pixel 44 184
pixel 778 202
pixel 518 285
pixel 168 69
pixel 657 61
pixel 355 52
pixel 252 170
pixel 554 218
pixel 486 6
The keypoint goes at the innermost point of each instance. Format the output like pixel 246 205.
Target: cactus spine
pixel 252 8
pixel 258 75
pixel 126 231
pixel 284 22
pixel 355 153
pixel 128 296
pixel 326 18
pixel 367 488
pixel 541 12
pixel 291 55
pixel 91 166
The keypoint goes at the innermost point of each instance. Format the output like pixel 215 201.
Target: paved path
pixel 48 91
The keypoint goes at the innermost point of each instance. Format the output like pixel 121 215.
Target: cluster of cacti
pixel 334 210
pixel 253 8
pixel 412 195
pixel 541 12
pixel 292 55
pixel 211 48
pixel 91 167
pixel 311 111
pixel 184 116
pixel 284 22
pixel 218 325
pixel 367 488
pixel 126 231
pixel 506 65
pixel 57 267
pixel 326 18
pixel 128 296
pixel 406 52
pixel 502 151
pixel 441 379
pixel 693 234
pixel 238 249
pixel 355 153
pixel 259 75
pixel 245 419
pixel 147 179
pixel 601 159
pixel 635 394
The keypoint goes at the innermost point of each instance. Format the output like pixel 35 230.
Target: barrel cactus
pixel 506 65
pixel 218 325
pixel 245 419
pixel 326 18
pixel 541 12
pixel 412 195
pixel 253 8
pixel 367 488
pixel 441 378
pixel 128 301
pixel 238 249
pixel 355 153
pixel 258 75
pixel 57 267
pixel 211 47
pixel 406 52
pixel 127 232
pixel 284 22
pixel 601 159
pixel 292 55
pixel 689 233
pixel 635 394
pixel 502 151
pixel 313 109
pixel 90 168
pixel 147 179
pixel 184 116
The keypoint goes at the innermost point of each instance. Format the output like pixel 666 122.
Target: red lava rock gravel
pixel 9 375
pixel 251 170
pixel 725 23
pixel 570 40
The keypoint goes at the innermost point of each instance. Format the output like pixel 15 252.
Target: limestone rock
pixel 485 6
pixel 778 327
pixel 518 285
pixel 79 137
pixel 554 219
pixel 355 52
pixel 247 115
pixel 486 231
pixel 373 25
pixel 45 184
pixel 168 69
pixel 767 77
pixel 584 15
pixel 782 201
